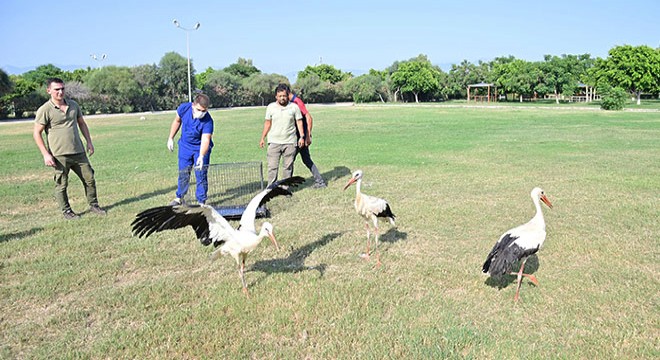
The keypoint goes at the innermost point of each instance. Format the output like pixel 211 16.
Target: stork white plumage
pixel 211 228
pixel 518 244
pixel 370 208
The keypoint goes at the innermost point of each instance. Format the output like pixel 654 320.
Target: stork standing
pixel 211 227
pixel 370 208
pixel 518 244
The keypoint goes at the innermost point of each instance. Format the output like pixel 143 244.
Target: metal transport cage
pixel 231 187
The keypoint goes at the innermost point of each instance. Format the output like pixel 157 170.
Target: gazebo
pixel 491 95
pixel 586 94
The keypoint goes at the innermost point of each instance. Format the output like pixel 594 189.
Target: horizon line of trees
pixel 634 70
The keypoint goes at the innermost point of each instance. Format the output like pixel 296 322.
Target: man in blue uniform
pixel 195 146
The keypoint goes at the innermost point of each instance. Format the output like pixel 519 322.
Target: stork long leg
pixel 519 276
pixel 366 254
pixel 378 263
pixel 531 277
pixel 241 272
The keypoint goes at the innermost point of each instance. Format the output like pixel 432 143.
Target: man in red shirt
pixel 319 183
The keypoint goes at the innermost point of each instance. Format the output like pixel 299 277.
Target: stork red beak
pixel 272 239
pixel 546 201
pixel 349 183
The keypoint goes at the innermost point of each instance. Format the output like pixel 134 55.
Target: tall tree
pixel 561 74
pixel 173 69
pixel 39 75
pixel 416 77
pixel 325 72
pixel 460 76
pixel 77 74
pixel 5 84
pixel 497 68
pixel 261 87
pixel 117 87
pixel 442 92
pixel 367 88
pixel 203 77
pixel 633 68
pixel 518 76
pixel 312 86
pixel 150 88
pixel 242 68
pixel 27 94
pixel 223 89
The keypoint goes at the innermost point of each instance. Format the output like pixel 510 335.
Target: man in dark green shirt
pixel 63 150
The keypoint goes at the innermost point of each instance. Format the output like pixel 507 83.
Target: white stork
pixel 370 208
pixel 211 227
pixel 518 244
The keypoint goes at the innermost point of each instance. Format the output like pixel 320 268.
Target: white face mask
pixel 198 114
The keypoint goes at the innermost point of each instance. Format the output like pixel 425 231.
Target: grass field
pixel 456 178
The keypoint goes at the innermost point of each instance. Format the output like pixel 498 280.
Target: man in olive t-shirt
pixel 282 120
pixel 63 150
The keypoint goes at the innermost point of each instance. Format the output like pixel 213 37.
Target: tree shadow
pixel 295 262
pixel 141 197
pixel 531 266
pixel 19 235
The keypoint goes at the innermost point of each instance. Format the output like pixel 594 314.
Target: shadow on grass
pixel 337 173
pixel 531 266
pixel 329 176
pixel 295 262
pixel 393 235
pixel 140 197
pixel 19 235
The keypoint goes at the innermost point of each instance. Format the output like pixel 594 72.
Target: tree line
pixel 627 70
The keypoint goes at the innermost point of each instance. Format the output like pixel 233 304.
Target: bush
pixel 6 108
pixel 614 99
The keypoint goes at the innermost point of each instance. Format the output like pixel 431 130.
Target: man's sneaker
pixel 70 215
pixel 97 210
pixel 176 202
pixel 319 185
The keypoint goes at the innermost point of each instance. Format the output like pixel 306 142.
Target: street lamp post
pixel 197 25
pixel 99 58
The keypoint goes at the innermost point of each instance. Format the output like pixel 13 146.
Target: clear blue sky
pixel 285 36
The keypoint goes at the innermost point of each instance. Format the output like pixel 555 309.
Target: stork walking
pixel 518 244
pixel 211 228
pixel 370 208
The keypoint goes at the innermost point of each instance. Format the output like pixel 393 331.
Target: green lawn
pixel 456 179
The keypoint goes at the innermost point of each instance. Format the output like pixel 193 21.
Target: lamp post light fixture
pixel 197 25
pixel 99 58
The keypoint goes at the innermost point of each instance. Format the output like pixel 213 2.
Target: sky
pixel 283 37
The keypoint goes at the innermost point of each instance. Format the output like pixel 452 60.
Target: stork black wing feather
pixel 504 255
pixel 277 188
pixel 172 217
pixel 387 213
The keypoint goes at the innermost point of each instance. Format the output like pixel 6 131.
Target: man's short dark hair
pixel 53 80
pixel 283 87
pixel 203 100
